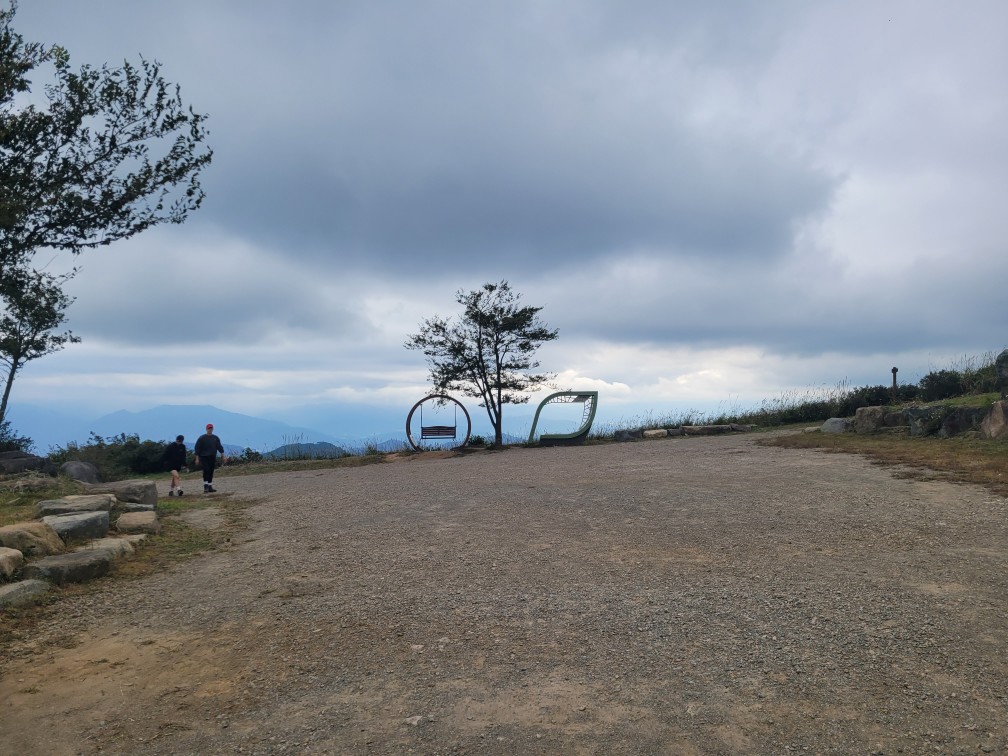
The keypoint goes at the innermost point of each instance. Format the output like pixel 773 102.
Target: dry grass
pixel 960 460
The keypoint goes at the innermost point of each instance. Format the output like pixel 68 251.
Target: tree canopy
pixel 488 352
pixel 109 153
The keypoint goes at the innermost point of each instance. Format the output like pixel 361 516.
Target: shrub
pixel 941 384
pixel 10 441
pixel 115 457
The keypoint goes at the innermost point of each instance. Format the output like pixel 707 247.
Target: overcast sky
pixel 713 202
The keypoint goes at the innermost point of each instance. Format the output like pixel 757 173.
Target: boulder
pixel 130 507
pixel 675 431
pixel 75 527
pixel 896 419
pixel 995 424
pixel 134 491
pixel 743 427
pixel 924 421
pixel 73 504
pixel 11 560
pixel 869 419
pixel 656 433
pixel 31 538
pixel 84 472
pixel 959 420
pixel 22 593
pixel 117 547
pixel 706 430
pixel 138 522
pixel 75 567
pixel 836 425
pixel 1001 373
pixel 14 462
pixel 628 435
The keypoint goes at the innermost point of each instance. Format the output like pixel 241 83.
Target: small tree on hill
pixel 34 307
pixel 488 352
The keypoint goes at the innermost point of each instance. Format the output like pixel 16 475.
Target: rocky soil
pixel 690 595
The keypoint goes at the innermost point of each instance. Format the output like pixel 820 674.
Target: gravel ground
pixel 697 595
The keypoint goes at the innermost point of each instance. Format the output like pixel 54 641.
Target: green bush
pixel 941 384
pixel 115 457
pixel 10 441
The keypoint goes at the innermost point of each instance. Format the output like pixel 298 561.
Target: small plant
pixel 10 441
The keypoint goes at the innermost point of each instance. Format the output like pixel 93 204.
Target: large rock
pixel 14 462
pixel 869 419
pixel 75 527
pixel 75 567
pixel 628 435
pixel 84 472
pixel 117 547
pixel 924 421
pixel 1001 373
pixel 995 424
pixel 138 522
pixel 77 503
pixel 135 491
pixel 23 592
pixel 11 560
pixel 706 430
pixel 836 425
pixel 959 420
pixel 656 433
pixel 31 538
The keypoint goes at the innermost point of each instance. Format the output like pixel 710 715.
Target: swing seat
pixel 437 431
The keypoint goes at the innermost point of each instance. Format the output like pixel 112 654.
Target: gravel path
pixel 703 595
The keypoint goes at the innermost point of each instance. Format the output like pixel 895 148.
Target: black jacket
pixel 208 445
pixel 174 457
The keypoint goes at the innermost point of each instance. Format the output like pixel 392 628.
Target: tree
pixel 488 352
pixel 99 155
pixel 115 151
pixel 35 306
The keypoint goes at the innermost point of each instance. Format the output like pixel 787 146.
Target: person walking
pixel 174 459
pixel 206 450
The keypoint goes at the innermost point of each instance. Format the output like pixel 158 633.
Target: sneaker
pixel 211 489
pixel 180 492
pixel 171 492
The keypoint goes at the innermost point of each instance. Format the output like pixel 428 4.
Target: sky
pixel 715 204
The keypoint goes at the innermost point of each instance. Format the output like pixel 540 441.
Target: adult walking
pixel 174 459
pixel 206 450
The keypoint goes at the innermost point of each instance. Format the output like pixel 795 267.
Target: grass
pixel 959 460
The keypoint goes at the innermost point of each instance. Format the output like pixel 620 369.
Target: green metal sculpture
pixel 588 398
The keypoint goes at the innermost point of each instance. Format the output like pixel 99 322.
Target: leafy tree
pixel 112 153
pixel 35 306
pixel 488 352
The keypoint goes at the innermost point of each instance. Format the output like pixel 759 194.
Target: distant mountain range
pixel 354 428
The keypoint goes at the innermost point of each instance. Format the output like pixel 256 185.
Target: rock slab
pixel 84 525
pixel 74 504
pixel 76 567
pixel 138 522
pixel 134 491
pixel 22 593
pixel 31 538
pixel 11 560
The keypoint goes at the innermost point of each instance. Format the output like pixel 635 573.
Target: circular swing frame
pixel 439 433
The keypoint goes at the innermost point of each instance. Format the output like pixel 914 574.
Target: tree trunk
pixel 14 365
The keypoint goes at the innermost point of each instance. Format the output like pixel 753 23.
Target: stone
pixel 84 472
pixel 133 491
pixel 138 522
pixel 11 560
pixel 33 539
pixel 924 421
pixel 869 419
pixel 656 433
pixel 75 527
pixel 1001 373
pixel 675 431
pixel 117 547
pixel 896 419
pixel 73 504
pixel 836 425
pixel 995 424
pixel 23 592
pixel 628 435
pixel 131 507
pixel 75 567
pixel 961 420
pixel 14 462
pixel 705 430
pixel 742 427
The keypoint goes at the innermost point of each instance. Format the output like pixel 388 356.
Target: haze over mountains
pixel 49 429
pixel 352 428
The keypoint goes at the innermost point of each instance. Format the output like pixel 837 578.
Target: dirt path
pixel 676 596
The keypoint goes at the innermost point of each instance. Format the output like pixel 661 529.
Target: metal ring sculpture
pixel 438 431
